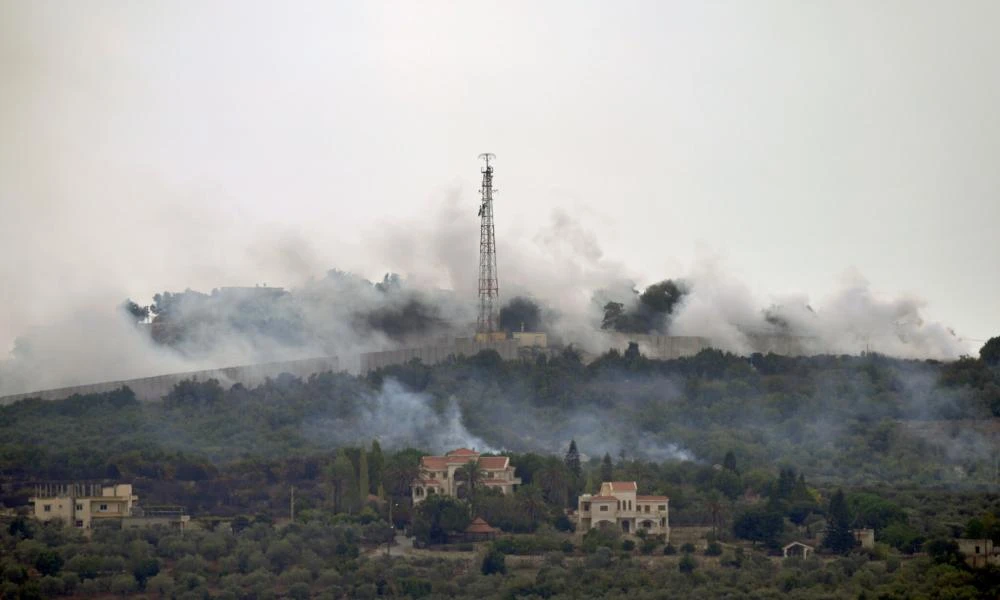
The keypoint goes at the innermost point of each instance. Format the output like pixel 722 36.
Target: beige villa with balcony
pixel 88 506
pixel 82 504
pixel 438 474
pixel 619 505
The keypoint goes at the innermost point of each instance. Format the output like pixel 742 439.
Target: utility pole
pixel 489 289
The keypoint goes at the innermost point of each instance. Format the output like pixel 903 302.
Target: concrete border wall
pixel 154 388
pixel 430 355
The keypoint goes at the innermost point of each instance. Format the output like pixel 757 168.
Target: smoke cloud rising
pixel 560 267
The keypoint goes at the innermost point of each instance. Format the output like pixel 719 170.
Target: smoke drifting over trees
pixel 558 281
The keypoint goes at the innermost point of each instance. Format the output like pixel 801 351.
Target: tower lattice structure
pixel 489 289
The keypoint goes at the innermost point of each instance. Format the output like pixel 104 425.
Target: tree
pixel 729 462
pixel 471 474
pixel 759 525
pixel 607 468
pixel 376 464
pixel 494 562
pixel 990 352
pixel 687 564
pixel 572 460
pixel 134 311
pixel 49 562
pixel 437 516
pixel 344 485
pixel 839 537
pixel 363 486
pixel 531 500
pixel 400 472
pixel 613 313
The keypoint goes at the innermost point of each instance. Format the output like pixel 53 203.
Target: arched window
pixel 418 492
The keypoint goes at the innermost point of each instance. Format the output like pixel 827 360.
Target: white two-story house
pixel 438 474
pixel 619 505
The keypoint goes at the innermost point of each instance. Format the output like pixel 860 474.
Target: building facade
pixel 88 506
pixel 619 505
pixel 442 475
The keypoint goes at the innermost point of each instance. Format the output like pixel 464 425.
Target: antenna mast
pixel 489 289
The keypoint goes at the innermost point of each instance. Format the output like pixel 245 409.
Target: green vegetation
pixel 759 452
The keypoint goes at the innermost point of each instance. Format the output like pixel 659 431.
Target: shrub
pixel 628 545
pixel 648 545
pixel 494 562
pixel 669 550
pixel 51 586
pixel 687 564
pixel 123 585
pixel 713 549
pixel 299 591
pixel 687 548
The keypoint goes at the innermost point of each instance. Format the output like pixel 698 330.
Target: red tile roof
pixel 461 457
pixel 462 452
pixel 478 525
pixel 434 462
pixel 652 498
pixel 624 486
pixel 493 463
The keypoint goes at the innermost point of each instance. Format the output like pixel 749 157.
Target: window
pixel 647 508
pixel 662 507
pixel 418 492
pixel 79 507
pixel 47 507
pixel 604 508
pixel 103 508
pixel 977 549
pixel 79 523
pixel 430 491
pixel 663 522
pixel 586 506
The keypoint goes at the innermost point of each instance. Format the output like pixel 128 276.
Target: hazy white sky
pixel 159 145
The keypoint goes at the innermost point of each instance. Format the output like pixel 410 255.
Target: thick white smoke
pixel 400 418
pixel 852 319
pixel 558 262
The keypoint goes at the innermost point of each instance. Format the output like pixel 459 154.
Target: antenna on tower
pixel 489 289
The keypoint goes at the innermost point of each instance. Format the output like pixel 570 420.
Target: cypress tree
pixel 839 538
pixel 363 490
pixel 607 468
pixel 573 460
pixel 376 464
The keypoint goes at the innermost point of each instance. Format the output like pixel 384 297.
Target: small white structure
pixel 797 549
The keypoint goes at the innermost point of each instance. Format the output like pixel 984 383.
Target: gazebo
pixel 479 530
pixel 797 549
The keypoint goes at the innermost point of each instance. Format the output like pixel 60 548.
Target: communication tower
pixel 489 290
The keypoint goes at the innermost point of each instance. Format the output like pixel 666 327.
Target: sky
pixel 150 146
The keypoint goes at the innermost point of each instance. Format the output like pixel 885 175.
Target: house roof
pixel 460 457
pixel 623 486
pixel 652 498
pixel 478 525
pixel 462 452
pixel 434 462
pixel 603 499
pixel 798 544
pixel 491 463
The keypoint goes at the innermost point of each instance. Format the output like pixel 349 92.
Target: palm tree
pixel 471 475
pixel 531 500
